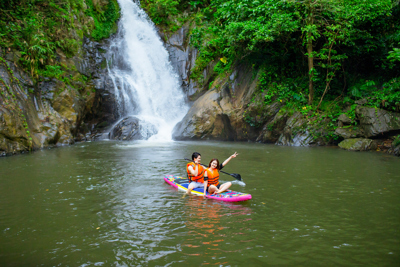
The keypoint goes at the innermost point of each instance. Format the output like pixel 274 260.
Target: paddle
pixel 234 175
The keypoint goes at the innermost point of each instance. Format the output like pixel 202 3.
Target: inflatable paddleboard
pixel 183 183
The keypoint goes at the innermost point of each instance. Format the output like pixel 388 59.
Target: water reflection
pixel 211 226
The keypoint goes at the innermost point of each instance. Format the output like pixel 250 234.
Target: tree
pixel 327 24
pixel 324 32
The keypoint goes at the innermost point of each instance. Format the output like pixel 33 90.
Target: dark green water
pixel 105 204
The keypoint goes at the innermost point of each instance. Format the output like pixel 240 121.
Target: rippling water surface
pixel 105 204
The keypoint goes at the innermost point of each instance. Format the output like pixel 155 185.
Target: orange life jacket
pixel 213 177
pixel 200 177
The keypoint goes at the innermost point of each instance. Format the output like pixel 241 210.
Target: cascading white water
pixel 145 83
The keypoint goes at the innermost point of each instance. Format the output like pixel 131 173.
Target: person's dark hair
pixel 209 165
pixel 195 155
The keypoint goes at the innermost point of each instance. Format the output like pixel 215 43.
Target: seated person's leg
pixel 224 187
pixel 212 189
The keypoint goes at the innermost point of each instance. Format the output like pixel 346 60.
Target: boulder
pixel 358 144
pixel 294 133
pixel 205 120
pixel 395 150
pixel 344 119
pixel 395 146
pixel 132 128
pixel 349 132
pixel 375 122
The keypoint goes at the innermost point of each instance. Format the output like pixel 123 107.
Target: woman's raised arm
pixel 228 159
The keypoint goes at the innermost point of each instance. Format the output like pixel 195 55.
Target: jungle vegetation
pixel 317 56
pixel 38 32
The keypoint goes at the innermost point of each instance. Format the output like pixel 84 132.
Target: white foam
pixel 145 83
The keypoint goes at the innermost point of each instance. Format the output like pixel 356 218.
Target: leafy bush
pixel 159 10
pixel 396 141
pixel 104 21
pixel 36 29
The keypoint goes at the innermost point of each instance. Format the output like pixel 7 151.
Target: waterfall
pixel 146 86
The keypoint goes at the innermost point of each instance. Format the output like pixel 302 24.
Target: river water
pixel 106 204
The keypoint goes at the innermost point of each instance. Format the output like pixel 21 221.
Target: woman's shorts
pixel 196 184
pixel 217 186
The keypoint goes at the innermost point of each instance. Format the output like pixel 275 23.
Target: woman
pixel 212 173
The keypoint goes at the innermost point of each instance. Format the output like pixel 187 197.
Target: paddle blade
pixel 236 176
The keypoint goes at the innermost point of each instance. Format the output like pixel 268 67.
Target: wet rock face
pixel 92 63
pixel 230 109
pixel 13 138
pixel 50 112
pixel 220 114
pixel 377 124
pixel 182 57
pixel 377 121
pixel 291 135
pixel 131 128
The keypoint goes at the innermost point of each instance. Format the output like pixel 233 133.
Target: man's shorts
pixel 217 186
pixel 196 184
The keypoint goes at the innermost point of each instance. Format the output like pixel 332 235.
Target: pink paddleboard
pixel 183 183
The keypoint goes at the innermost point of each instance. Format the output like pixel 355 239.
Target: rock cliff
pixel 231 108
pixel 50 112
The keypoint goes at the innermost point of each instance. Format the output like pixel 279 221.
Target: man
pixel 195 173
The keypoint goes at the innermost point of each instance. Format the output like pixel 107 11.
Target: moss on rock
pixel 358 144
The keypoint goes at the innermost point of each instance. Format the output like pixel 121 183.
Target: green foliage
pixel 38 30
pixel 104 20
pixel 394 55
pixel 197 38
pixel 171 14
pixel 396 141
pixel 344 34
pixel 362 89
pixel 388 96
pixel 351 113
pixel 351 43
pixel 52 72
pixel 286 90
pixel 251 120
pixel 223 66
pixel 159 10
pixel 244 26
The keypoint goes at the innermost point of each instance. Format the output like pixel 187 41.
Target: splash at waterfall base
pixel 145 84
pixel 132 128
